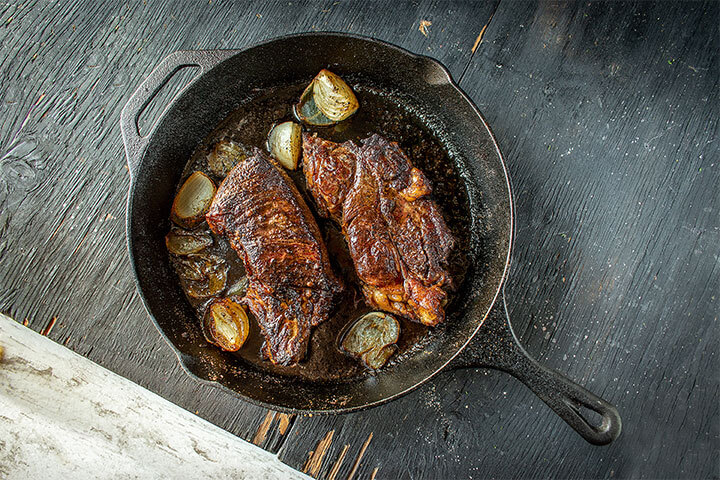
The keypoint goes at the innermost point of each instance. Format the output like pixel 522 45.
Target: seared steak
pixel 291 284
pixel 397 238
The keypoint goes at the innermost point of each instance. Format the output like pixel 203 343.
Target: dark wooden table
pixel 607 114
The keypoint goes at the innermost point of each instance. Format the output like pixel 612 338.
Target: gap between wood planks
pixel 46 331
pixel 315 459
pixel 478 42
pixel 284 421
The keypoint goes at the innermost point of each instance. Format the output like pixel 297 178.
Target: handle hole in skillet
pixel 172 85
pixel 595 419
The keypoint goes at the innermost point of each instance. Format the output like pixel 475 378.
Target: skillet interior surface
pixel 471 189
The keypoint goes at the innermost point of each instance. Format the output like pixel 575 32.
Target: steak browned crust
pixel 397 238
pixel 291 284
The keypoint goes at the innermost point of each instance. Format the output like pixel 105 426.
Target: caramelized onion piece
pixel 202 276
pixel 333 96
pixel 225 324
pixel 239 288
pixel 193 201
pixel 372 339
pixel 326 101
pixel 184 242
pixel 375 358
pixel 307 111
pixel 224 157
pixel 285 143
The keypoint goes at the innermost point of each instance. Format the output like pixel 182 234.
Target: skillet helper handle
pixel 135 143
pixel 502 350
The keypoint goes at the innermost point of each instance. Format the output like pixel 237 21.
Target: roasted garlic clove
pixel 226 324
pixel 326 101
pixel 193 201
pixel 333 96
pixel 224 156
pixel 372 338
pixel 285 144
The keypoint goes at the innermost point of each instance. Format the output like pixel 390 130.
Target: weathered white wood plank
pixel 63 416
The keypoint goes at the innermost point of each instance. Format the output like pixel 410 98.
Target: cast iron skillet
pixel 479 335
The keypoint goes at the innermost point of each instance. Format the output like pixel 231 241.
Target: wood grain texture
pixel 608 117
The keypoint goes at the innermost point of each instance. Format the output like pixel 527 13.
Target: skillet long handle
pixel 135 143
pixel 500 349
